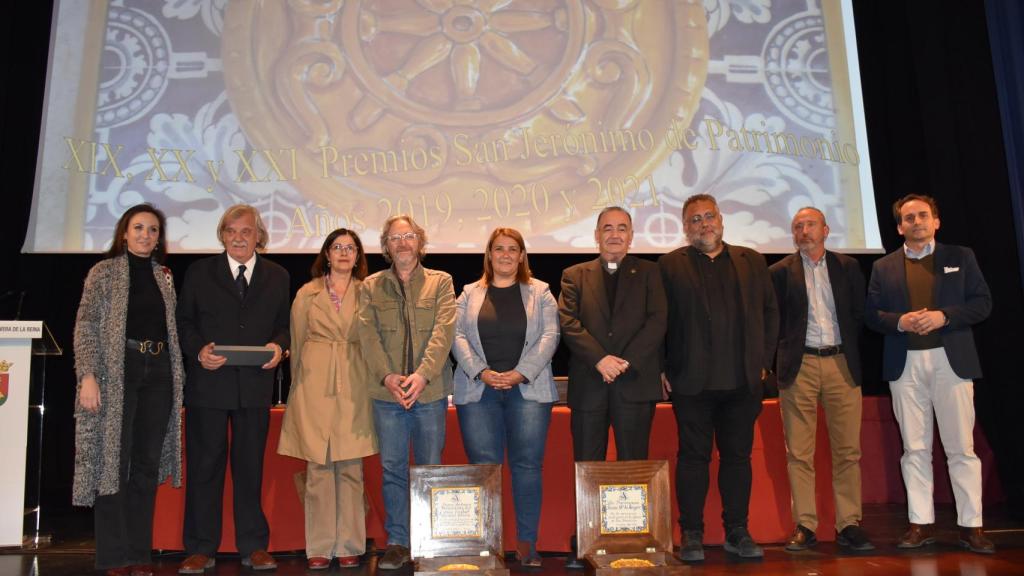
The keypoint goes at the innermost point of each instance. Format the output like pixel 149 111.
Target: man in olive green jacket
pixel 406 327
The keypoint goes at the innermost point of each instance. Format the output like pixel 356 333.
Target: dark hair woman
pixel 329 422
pixel 130 375
pixel 506 331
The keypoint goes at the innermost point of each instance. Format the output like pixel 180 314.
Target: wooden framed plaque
pixel 455 519
pixel 623 521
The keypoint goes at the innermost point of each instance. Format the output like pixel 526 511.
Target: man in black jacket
pixel 234 298
pixel 821 306
pixel 723 322
pixel 612 312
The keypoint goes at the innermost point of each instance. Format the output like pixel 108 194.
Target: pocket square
pixel 948 269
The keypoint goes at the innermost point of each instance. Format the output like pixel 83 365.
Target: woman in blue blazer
pixel 506 332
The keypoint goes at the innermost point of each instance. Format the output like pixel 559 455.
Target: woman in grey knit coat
pixel 130 376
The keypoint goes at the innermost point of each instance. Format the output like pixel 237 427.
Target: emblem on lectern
pixel 5 379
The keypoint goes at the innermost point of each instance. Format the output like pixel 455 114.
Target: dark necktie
pixel 240 282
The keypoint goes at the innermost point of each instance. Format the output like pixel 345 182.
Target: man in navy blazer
pixel 234 298
pixel 821 309
pixel 925 297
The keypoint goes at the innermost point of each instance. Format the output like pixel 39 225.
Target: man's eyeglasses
pixel 343 248
pixel 396 238
pixel 696 219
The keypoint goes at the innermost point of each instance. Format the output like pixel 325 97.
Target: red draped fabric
pixel 769 503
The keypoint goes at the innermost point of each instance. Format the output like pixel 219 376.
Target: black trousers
pixel 728 418
pixel 630 421
pixel 206 456
pixel 124 521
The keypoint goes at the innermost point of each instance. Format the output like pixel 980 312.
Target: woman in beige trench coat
pixel 328 421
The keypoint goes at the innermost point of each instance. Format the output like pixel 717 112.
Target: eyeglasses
pixel 696 219
pixel 343 248
pixel 396 238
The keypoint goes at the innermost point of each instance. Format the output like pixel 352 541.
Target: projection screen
pixel 534 114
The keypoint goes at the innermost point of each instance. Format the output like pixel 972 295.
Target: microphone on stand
pixel 280 379
pixel 21 301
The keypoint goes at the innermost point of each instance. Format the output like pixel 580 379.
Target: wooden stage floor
pixel 71 554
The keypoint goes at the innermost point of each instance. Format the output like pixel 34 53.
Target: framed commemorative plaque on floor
pixel 623 521
pixel 455 519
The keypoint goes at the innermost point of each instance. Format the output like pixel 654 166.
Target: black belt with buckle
pixel 154 347
pixel 824 350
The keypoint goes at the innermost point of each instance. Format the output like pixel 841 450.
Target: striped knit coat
pixel 99 350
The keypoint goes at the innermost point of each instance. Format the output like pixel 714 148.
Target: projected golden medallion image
pixel 466 114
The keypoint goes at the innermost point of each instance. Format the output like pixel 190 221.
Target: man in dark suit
pixel 723 322
pixel 234 298
pixel 821 309
pixel 925 297
pixel 612 312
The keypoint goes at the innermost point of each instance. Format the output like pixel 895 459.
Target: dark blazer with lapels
pixel 210 310
pixel 687 346
pixel 960 292
pixel 633 329
pixel 791 291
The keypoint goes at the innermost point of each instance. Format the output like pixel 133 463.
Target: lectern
pixel 15 373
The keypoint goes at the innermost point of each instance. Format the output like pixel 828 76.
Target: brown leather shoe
pixel 196 564
pixel 260 560
pixel 527 554
pixel 916 536
pixel 974 539
pixel 802 539
pixel 395 556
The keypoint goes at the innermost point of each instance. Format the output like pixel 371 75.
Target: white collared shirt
pixel 822 323
pixel 248 268
pixel 918 254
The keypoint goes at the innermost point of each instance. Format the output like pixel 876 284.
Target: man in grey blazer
pixel 612 313
pixel 723 323
pixel 821 307
pixel 925 297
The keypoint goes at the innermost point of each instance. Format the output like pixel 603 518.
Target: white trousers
pixel 929 386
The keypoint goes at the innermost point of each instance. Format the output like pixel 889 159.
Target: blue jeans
pixel 423 426
pixel 503 417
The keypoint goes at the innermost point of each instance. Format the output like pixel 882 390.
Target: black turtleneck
pixel 147 318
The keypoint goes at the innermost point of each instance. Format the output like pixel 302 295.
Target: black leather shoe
pixel 741 543
pixel 854 538
pixel 572 561
pixel 802 539
pixel 692 548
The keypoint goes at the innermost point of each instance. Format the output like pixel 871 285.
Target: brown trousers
pixel 824 380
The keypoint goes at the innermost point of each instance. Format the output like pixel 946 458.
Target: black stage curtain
pixel 934 127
